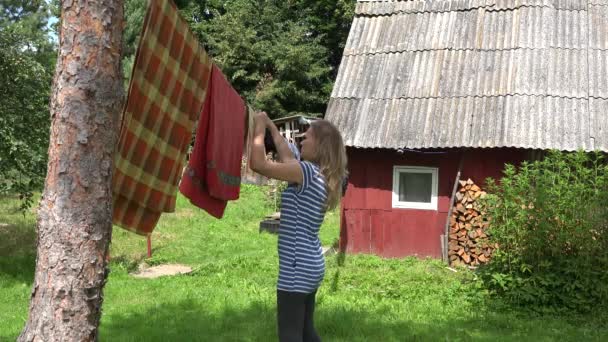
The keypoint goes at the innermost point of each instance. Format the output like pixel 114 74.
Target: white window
pixel 415 187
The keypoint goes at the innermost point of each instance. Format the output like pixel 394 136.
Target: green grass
pixel 230 296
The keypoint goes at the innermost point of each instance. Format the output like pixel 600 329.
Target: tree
pixel 330 21
pixel 278 54
pixel 75 218
pixel 24 118
pixel 27 57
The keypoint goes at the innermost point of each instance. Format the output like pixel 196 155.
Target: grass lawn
pixel 230 296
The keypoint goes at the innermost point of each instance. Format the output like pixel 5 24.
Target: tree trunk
pixel 75 214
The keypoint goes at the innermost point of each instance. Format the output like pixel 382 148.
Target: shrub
pixel 549 219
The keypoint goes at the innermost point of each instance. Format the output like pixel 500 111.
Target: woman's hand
pixel 262 117
pixel 282 148
pixel 289 171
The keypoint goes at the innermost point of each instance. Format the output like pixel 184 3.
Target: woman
pixel 315 186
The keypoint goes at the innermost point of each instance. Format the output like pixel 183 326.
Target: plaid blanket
pixel 166 94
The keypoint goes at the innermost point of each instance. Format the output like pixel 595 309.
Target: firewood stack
pixel 468 241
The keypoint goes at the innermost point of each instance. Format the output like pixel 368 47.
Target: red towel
pixel 226 139
pixel 193 184
pixel 213 173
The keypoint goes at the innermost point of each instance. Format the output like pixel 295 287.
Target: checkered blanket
pixel 166 94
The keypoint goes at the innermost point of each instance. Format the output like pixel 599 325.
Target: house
pixel 429 88
pixel 293 127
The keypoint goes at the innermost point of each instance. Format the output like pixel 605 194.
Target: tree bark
pixel 75 214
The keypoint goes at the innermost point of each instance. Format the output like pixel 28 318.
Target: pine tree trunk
pixel 75 214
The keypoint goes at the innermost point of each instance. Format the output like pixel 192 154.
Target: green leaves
pixel 550 220
pixel 282 56
pixel 27 57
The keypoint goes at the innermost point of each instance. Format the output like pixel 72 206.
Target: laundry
pixel 213 174
pixel 194 180
pixel 226 136
pixel 168 86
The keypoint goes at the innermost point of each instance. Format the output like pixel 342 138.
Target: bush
pixel 25 84
pixel 549 219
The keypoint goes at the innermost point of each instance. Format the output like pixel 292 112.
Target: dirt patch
pixel 162 270
pixel 185 213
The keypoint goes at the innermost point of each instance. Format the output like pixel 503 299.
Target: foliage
pixel 230 295
pixel 282 56
pixel 27 57
pixel 550 220
pixel 135 11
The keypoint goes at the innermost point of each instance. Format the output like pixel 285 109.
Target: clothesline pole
pixel 149 245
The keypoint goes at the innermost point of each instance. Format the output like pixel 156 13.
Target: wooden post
pixel 444 249
pixel 149 245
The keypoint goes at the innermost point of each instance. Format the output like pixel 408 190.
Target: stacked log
pixel 468 242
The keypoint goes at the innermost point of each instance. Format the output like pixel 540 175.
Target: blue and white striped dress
pixel 301 261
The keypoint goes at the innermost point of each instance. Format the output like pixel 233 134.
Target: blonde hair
pixel 331 157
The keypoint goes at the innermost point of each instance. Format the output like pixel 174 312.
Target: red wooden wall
pixel 369 224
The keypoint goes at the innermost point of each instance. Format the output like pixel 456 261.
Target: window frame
pixel 434 171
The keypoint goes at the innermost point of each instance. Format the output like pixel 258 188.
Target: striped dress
pixel 301 261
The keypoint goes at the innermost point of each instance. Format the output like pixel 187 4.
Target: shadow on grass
pixel 18 251
pixel 18 268
pixel 335 279
pixel 17 238
pixel 186 321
